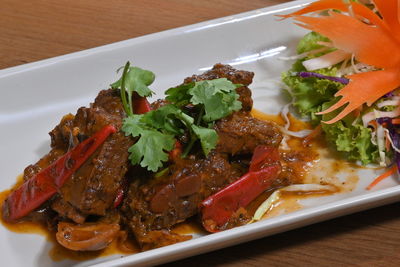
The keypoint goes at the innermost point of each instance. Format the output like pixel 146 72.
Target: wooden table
pixel 39 29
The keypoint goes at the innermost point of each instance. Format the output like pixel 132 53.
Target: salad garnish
pixel 348 75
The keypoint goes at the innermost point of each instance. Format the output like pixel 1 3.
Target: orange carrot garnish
pixel 389 11
pixel 318 6
pixel 383 176
pixel 396 121
pixel 370 45
pixel 371 39
pixel 366 87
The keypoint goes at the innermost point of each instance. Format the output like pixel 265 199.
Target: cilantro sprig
pixel 133 79
pixel 157 130
pixel 218 97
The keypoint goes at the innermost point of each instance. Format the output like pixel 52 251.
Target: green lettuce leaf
pixel 311 95
pixel 353 139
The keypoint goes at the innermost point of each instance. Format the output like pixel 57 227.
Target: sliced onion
pixel 390 102
pixel 304 188
pixel 380 136
pixel 389 114
pixel 308 188
pixel 355 68
pixel 326 60
pixel 377 114
pixel 285 129
pixel 367 118
pixel 86 237
pixel 299 134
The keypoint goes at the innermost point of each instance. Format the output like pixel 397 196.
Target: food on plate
pixel 123 165
pixel 347 76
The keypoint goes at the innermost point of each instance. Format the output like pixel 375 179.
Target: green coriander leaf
pixel 150 149
pixel 179 95
pixel 132 125
pixel 137 80
pixel 349 138
pixel 218 96
pixel 167 118
pixel 133 79
pixel 208 138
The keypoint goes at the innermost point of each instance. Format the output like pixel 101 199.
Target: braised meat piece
pixel 236 76
pixel 106 109
pixel 159 203
pixel 154 204
pixel 66 210
pixel 240 133
pixel 93 188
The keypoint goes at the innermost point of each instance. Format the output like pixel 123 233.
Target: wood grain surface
pixel 39 29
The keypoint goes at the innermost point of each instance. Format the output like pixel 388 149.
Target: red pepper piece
pixel 263 155
pixel 217 209
pixel 35 191
pixel 176 152
pixel 140 104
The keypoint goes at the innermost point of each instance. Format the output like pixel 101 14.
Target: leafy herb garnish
pixel 133 79
pixel 157 130
pixel 218 97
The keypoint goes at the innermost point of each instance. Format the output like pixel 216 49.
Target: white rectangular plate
pixel 35 96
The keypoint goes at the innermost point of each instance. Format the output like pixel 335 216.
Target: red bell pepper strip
pixel 35 191
pixel 140 104
pixel 176 152
pixel 262 156
pixel 217 209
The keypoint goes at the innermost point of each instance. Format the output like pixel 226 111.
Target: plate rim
pixel 151 37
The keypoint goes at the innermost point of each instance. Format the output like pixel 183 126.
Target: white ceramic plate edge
pixel 153 36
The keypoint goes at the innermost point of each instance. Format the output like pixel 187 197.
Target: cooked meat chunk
pixel 45 161
pixel 154 205
pixel 149 204
pixel 93 188
pixel 235 76
pixel 240 133
pixel 160 203
pixel 107 109
pixel 66 210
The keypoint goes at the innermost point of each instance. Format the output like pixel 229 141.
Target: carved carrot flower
pixel 373 38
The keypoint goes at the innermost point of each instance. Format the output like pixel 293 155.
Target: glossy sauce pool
pixel 312 155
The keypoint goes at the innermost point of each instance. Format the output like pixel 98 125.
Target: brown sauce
pixel 315 163
pixel 310 158
pixel 120 245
